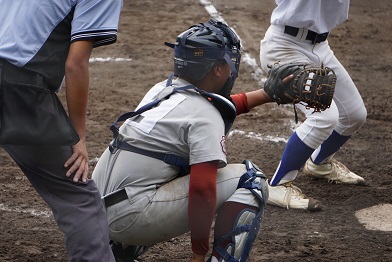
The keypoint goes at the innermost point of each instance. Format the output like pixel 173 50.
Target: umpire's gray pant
pixel 77 207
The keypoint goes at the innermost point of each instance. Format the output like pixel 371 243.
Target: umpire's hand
pixel 78 162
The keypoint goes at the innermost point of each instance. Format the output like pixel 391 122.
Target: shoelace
pixel 291 190
pixel 332 166
pixel 335 165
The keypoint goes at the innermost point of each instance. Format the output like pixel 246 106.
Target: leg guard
pixel 248 222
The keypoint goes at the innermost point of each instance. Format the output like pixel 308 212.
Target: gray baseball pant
pixel 77 207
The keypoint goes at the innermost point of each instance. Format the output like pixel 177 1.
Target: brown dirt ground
pixel 334 234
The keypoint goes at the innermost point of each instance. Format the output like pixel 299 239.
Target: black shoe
pixel 120 254
pixel 128 254
pixel 138 250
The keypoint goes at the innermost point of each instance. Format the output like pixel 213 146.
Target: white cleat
pixel 289 196
pixel 333 171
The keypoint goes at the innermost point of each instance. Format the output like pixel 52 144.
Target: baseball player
pixel 299 33
pixel 165 172
pixel 40 43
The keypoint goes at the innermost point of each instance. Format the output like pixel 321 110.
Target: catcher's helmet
pixel 204 45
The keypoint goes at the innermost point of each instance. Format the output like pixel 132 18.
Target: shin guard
pixel 248 221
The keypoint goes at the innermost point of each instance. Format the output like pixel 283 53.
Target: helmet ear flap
pixel 195 70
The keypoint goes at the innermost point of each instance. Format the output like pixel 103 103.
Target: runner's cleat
pixel 333 171
pixel 290 196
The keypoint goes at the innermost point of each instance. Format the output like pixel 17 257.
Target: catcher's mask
pixel 203 46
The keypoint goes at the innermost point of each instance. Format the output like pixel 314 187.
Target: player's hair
pixel 203 46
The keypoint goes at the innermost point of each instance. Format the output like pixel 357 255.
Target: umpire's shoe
pixel 291 197
pixel 128 254
pixel 121 254
pixel 333 171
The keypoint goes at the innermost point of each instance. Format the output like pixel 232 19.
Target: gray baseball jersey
pixel 155 207
pixel 186 124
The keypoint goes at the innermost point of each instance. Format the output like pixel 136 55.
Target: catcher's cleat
pixel 333 171
pixel 289 196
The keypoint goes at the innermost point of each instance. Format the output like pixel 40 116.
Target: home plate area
pixel 377 217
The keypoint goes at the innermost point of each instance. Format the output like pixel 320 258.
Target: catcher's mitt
pixel 313 85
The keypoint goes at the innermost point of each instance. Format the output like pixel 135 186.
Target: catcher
pixel 165 172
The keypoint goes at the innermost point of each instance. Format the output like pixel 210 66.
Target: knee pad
pixel 255 180
pixel 248 222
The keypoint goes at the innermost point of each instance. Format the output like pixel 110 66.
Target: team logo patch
pixel 198 52
pixel 223 144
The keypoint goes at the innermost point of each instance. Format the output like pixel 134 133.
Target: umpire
pixel 40 43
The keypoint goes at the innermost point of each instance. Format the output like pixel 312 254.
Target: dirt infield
pixel 28 231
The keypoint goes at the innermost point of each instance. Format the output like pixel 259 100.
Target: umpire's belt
pixel 311 35
pixel 115 197
pixel 20 75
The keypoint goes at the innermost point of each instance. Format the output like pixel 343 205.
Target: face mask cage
pixel 233 58
pixel 233 51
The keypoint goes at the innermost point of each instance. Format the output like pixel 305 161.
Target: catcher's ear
pixel 216 70
pixel 221 70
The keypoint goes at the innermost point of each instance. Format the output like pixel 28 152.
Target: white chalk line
pixel 109 59
pixel 257 136
pixel 30 211
pixel 246 57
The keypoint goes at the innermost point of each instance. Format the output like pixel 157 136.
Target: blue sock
pixel 330 146
pixel 294 157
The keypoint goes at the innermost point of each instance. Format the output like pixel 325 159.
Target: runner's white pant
pixel 347 112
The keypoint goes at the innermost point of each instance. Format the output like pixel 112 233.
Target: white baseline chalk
pixel 109 59
pixel 30 211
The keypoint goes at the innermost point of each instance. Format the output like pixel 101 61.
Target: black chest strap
pixel 117 142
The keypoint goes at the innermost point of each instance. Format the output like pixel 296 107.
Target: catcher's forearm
pixel 257 97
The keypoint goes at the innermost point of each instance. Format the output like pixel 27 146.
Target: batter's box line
pixel 257 136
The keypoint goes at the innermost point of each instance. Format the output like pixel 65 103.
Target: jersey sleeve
pixel 241 103
pixel 206 135
pixel 96 20
pixel 202 204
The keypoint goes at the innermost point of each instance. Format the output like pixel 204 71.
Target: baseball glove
pixel 313 85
